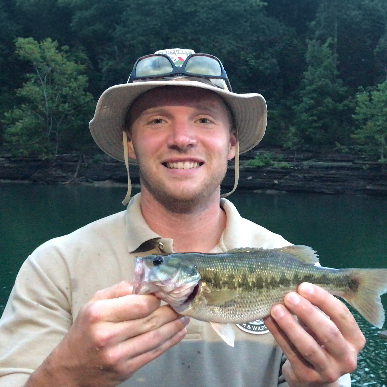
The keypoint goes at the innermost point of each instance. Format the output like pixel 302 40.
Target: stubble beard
pixel 184 201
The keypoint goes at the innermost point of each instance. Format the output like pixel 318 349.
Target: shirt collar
pixel 138 231
pixel 232 234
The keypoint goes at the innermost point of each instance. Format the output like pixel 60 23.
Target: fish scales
pixel 242 285
pixel 258 281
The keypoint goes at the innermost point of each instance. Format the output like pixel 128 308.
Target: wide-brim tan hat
pixel 249 112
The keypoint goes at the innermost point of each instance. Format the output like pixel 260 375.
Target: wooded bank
pixel 333 173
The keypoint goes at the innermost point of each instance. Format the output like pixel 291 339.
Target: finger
pixel 132 354
pixel 287 347
pixel 322 327
pixel 298 360
pixel 336 310
pixel 151 344
pixel 309 365
pixel 109 334
pixel 296 367
pixel 146 357
pixel 129 307
pixel 123 288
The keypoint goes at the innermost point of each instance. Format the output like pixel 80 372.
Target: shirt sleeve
pixel 35 320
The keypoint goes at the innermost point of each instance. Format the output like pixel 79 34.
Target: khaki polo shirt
pixel 61 275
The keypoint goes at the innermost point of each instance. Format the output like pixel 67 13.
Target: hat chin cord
pixel 236 172
pixel 126 159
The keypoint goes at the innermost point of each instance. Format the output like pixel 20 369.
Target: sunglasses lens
pixel 203 65
pixel 153 65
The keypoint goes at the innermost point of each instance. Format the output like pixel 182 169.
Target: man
pixel 72 319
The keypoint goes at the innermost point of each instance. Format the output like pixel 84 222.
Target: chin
pixel 184 200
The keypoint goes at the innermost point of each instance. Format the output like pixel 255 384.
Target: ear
pixel 233 143
pixel 131 152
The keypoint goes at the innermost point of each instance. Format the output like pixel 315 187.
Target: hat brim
pixel 249 112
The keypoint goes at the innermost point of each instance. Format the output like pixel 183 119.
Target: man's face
pixel 182 140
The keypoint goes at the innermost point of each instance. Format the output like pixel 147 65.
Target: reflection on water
pixel 347 231
pixel 372 361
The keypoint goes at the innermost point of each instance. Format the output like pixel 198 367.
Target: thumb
pixel 121 289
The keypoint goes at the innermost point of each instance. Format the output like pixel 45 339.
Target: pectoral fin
pixel 225 331
pixel 216 297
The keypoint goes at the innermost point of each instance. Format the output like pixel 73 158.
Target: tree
pixel 55 106
pixel 139 27
pixel 45 19
pixel 297 14
pixel 10 66
pixel 371 117
pixel 321 118
pixel 355 27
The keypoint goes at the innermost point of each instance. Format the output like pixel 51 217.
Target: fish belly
pixel 241 309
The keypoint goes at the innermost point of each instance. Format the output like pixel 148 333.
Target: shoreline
pixel 282 172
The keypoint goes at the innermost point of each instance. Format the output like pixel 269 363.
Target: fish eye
pixel 158 260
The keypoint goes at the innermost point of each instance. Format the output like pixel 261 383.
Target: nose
pixel 182 135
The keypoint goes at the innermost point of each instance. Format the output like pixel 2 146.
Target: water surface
pixel 347 231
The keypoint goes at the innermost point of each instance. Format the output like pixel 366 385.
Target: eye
pixel 158 260
pixel 157 121
pixel 204 120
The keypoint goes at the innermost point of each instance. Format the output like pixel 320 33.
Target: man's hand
pixel 319 348
pixel 114 335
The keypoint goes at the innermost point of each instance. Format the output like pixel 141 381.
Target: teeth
pixel 183 165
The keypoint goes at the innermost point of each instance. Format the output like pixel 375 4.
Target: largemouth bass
pixel 242 285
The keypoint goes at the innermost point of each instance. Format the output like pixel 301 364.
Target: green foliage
pixel 310 86
pixel 266 160
pixel 45 18
pixel 226 29
pixel 297 14
pixel 259 161
pixel 355 27
pixel 371 118
pixel 53 114
pixel 321 116
pixel 10 68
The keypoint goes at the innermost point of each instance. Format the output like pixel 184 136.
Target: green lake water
pixel 347 231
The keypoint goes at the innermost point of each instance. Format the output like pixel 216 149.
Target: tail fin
pixel 371 284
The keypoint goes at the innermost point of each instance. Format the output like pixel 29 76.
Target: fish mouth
pixel 186 304
pixel 139 276
pixel 194 293
pixel 179 297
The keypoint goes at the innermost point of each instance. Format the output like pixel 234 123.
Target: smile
pixel 183 165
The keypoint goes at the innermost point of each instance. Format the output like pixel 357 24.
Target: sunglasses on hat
pixel 196 65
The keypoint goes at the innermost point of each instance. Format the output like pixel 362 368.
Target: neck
pixel 196 229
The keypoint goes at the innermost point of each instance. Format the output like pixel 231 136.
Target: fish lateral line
pixel 242 284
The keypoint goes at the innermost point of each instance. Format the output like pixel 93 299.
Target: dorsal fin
pixel 304 254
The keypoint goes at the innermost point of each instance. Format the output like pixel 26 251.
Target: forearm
pixel 54 371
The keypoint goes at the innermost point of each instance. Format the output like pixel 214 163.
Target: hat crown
pixel 249 110
pixel 178 55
